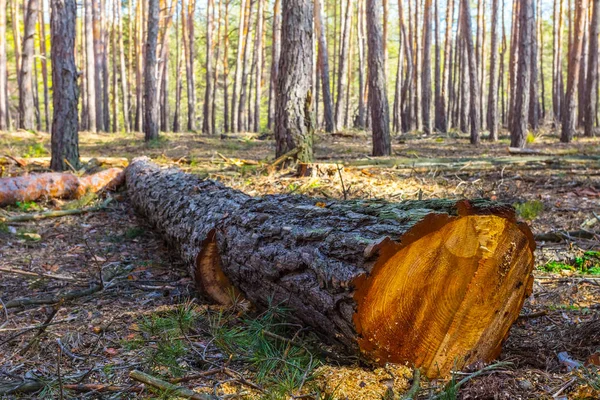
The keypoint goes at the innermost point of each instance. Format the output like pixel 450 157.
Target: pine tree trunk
pixel 446 77
pixel 582 73
pixel 104 60
pixel 591 86
pixel 380 111
pixel 179 32
pixel 139 59
pixel 188 22
pixel 293 119
pixel 3 69
pixel 342 82
pixel 534 116
pixel 115 68
pixel 43 58
pixel 520 117
pixel 373 278
pixel 557 78
pixel 323 61
pixel 426 70
pixel 362 65
pixel 438 72
pixel 242 112
pixel 473 71
pixel 123 70
pixel 237 82
pixel 150 75
pixel 217 44
pixel 569 117
pixel 65 124
pixel 26 102
pixel 208 80
pixel 226 127
pixel 259 61
pixel 275 52
pixel 417 89
pixel 492 111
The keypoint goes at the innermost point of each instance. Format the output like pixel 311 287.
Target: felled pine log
pixel 435 283
pixel 56 185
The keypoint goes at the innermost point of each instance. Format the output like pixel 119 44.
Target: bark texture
pixel 3 70
pixel 591 87
pixel 380 110
pixel 329 263
pixel 65 92
pixel 150 78
pixel 293 119
pixel 26 105
pixel 56 185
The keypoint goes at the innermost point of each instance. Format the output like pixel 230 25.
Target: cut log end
pixel 209 277
pixel 448 295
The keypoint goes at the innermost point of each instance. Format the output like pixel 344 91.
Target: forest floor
pixel 147 318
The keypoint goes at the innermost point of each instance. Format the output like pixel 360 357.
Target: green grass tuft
pixel 530 209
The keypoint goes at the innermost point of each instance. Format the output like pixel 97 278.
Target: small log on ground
pixel 57 185
pixel 435 283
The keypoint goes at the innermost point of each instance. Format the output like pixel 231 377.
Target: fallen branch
pixel 41 331
pixel 23 387
pixel 166 386
pixel 204 374
pixel 100 388
pixel 415 387
pixel 282 158
pixel 558 236
pixel 39 274
pixel 55 213
pixel 75 294
pixel 57 185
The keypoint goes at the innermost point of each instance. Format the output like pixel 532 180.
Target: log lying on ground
pixel 436 283
pixel 57 185
pixel 44 162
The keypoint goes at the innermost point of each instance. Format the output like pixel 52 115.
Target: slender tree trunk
pixel 115 67
pixel 426 69
pixel 237 81
pixel 362 64
pixel 397 107
pixel 208 93
pixel 349 78
pixel 557 78
pixel 492 111
pixel 323 61
pixel 443 117
pixel 438 71
pixel 43 58
pixel 275 52
pixel 139 57
pixel 502 71
pixel 293 119
pixel 259 60
pixel 342 83
pixel 520 117
pixel 226 127
pixel 534 117
pixel 242 112
pixel 150 74
pixel 3 69
pixel 26 101
pixel 65 126
pixel 569 120
pixel 591 86
pixel 479 40
pixel 380 111
pixel 123 69
pixel 583 73
pixel 36 94
pixel 541 61
pixel 130 58
pixel 105 77
pixel 417 76
pixel 473 71
pixel 217 44
pixel 16 27
pixel 188 22
pixel 98 65
pixel 179 67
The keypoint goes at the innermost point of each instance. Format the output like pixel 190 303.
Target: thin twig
pixel 60 383
pixel 39 274
pixel 163 385
pixel 415 387
pixel 41 330
pixel 339 169
pixel 54 213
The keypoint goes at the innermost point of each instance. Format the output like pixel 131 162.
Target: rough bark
pixel 323 62
pixel 54 184
pixel 188 22
pixel 520 118
pixel 242 124
pixel 150 75
pixel 342 82
pixel 237 81
pixel 3 69
pixel 43 59
pixel 492 111
pixel 226 127
pixel 123 71
pixel 275 53
pixel 534 102
pixel 473 71
pixel 569 120
pixel 178 73
pixel 362 65
pixel 207 127
pixel 259 60
pixel 426 70
pixel 447 67
pixel 293 119
pixel 557 76
pixel 456 272
pixel 592 78
pixel 26 105
pixel 380 111
pixel 65 93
